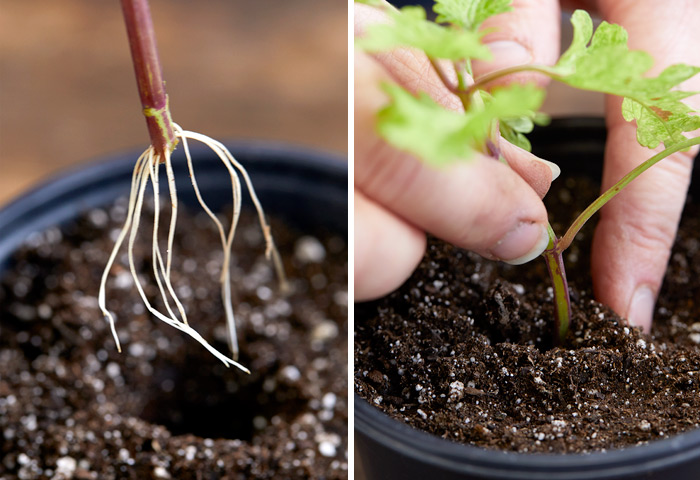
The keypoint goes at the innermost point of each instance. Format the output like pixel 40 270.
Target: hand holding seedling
pixel 398 197
pixel 632 244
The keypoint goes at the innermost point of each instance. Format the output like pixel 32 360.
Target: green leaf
pixel 607 65
pixel 410 28
pixel 513 136
pixel 513 129
pixel 520 124
pixel 438 136
pixel 664 121
pixel 374 3
pixel 469 14
pixel 583 30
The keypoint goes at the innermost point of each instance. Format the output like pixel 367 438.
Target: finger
pixel 633 239
pixel 529 33
pixel 481 204
pixel 537 172
pixel 408 67
pixel 413 71
pixel 387 249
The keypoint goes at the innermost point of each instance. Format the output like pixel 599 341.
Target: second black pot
pixel 390 449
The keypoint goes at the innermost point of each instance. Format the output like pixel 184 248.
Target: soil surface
pixel 464 350
pixel 71 406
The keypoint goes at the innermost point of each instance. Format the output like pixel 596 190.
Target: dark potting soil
pixel 71 406
pixel 463 350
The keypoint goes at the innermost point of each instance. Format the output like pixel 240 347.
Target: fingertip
pixel 524 243
pixel 529 34
pixel 641 308
pixel 626 275
pixel 537 172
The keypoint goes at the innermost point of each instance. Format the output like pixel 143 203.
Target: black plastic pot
pixel 306 188
pixel 388 448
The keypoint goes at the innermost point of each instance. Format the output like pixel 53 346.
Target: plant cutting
pixel 598 61
pixel 165 135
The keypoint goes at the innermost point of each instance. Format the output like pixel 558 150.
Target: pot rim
pixel 463 458
pixel 87 185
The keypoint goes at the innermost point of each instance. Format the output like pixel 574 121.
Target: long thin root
pixel 147 167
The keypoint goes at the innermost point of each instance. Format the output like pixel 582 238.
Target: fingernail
pixel 556 171
pixel 641 309
pixel 514 247
pixel 507 53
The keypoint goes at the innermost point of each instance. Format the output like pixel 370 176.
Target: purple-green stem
pixel 560 288
pixel 556 247
pixel 149 75
pixel 617 188
pixel 553 254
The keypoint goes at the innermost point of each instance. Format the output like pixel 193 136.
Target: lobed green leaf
pixel 421 126
pixel 469 14
pixel 607 65
pixel 410 28
pixel 513 129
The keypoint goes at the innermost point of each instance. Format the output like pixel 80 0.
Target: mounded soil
pixel 71 406
pixel 464 350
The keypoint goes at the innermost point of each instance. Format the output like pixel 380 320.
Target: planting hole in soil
pixel 197 397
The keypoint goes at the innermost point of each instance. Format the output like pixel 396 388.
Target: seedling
pixel 599 61
pixel 165 135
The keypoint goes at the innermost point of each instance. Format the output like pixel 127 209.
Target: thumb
pixel 529 33
pixel 633 239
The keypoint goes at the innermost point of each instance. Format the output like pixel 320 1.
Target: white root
pixel 147 167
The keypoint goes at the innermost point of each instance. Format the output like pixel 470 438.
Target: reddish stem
pixel 149 76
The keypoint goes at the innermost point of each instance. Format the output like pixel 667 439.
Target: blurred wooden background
pixel 234 69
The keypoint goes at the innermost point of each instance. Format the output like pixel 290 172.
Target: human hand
pixel 482 205
pixel 633 239
pixel 632 243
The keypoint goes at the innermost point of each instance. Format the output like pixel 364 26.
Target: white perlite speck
pixel 290 373
pixel 326 330
pixel 66 466
pixel 456 390
pixel 309 250
pixel 328 401
pixel 327 449
pixel 123 280
pixel 328 443
pixel 190 452
pixel 160 472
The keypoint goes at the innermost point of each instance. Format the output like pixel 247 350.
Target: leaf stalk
pixel 617 188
